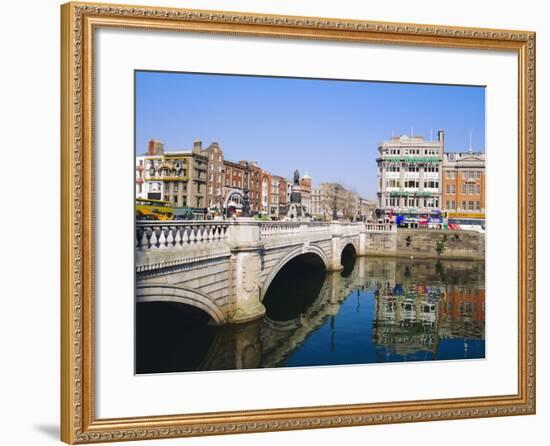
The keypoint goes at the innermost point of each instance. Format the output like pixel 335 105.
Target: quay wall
pixel 428 243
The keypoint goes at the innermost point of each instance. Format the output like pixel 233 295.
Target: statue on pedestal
pixel 295 209
pixel 296 177
pixel 245 212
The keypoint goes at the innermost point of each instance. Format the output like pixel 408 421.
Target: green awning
pixel 413 159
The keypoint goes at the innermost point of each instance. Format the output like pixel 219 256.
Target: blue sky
pixel 329 128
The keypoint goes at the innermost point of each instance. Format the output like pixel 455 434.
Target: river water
pixel 377 310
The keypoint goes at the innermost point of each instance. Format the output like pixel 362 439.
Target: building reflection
pixel 412 318
pixel 406 318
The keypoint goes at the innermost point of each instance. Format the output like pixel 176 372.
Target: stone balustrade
pixel 276 229
pixel 181 234
pixel 380 227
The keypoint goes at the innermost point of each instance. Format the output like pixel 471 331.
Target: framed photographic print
pixel 275 223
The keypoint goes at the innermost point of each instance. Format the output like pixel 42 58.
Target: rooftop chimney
pixel 155 147
pixel 197 146
pixel 441 136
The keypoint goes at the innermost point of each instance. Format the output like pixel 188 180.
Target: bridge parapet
pixel 211 235
pixel 178 234
pixel 380 227
pixel 269 230
pixel 207 233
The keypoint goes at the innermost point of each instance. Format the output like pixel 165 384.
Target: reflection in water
pixel 375 310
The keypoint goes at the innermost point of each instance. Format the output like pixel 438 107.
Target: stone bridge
pixel 225 267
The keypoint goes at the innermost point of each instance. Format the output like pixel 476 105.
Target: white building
pixel 410 175
pixel 146 188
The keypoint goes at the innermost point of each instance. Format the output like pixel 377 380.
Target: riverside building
pixel 178 177
pixel 409 181
pixel 464 185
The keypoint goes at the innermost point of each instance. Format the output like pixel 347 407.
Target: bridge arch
pixel 349 246
pixel 171 293
pixel 311 249
pixel 348 255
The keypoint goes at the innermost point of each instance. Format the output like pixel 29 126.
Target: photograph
pixel 305 222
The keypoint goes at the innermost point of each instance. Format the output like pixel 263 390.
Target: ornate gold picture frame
pixel 80 21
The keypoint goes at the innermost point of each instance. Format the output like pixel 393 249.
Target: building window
pixel 470 189
pixel 463 205
pixel 478 207
pixel 392 168
pixel 448 188
pixel 431 184
pixel 478 189
pixel 464 188
pixel 453 189
pixel 470 205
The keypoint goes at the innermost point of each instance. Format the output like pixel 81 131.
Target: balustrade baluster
pixel 139 233
pixel 177 238
pixel 154 239
pixel 199 234
pixel 185 236
pixel 170 238
pixel 144 241
pixel 162 238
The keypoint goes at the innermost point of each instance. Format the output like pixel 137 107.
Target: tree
pixel 338 201
pixel 350 204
